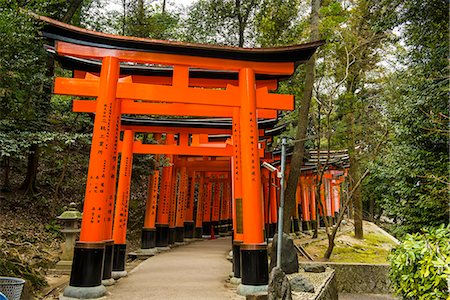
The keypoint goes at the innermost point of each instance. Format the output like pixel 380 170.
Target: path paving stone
pixel 195 271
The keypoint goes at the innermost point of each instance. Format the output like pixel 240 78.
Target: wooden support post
pixel 207 207
pixel 273 194
pixel 254 249
pixel 181 202
pixel 236 175
pixel 89 252
pixel 200 204
pixel 122 204
pixel 173 203
pixel 162 218
pixel 215 214
pixel 189 215
pixel 148 238
pixel 265 192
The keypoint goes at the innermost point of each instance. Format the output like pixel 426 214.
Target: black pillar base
pixel 321 222
pixel 306 225
pixel 198 231
pixel 295 223
pixel 254 265
pixel 237 259
pixel 215 227
pixel 313 224
pixel 206 228
pixel 119 257
pixel 189 229
pixel 223 227
pixel 162 235
pixel 172 235
pixel 148 238
pixel 230 225
pixel 108 260
pixel 87 266
pixel 271 229
pixel 179 234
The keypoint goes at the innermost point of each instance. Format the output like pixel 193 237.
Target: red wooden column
pixel 162 217
pixel 89 252
pixel 254 262
pixel 313 203
pixel 111 190
pixel 206 225
pixel 225 207
pixel 236 176
pixel 181 203
pixel 200 203
pixel 189 215
pixel 215 214
pixel 148 237
pixel 122 204
pixel 173 203
pixel 273 202
pixel 295 218
pixel 306 216
pixel 265 174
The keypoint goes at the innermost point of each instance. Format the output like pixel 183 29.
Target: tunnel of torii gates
pixel 116 75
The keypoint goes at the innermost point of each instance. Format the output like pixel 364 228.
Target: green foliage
pixel 420 266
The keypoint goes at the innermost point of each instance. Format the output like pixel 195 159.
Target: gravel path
pixel 195 271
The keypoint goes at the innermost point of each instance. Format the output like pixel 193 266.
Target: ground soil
pixel 374 248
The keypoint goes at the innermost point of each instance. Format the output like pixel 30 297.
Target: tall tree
pixel 413 179
pixel 303 118
pixel 226 22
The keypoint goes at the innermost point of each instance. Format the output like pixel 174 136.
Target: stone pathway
pixel 195 271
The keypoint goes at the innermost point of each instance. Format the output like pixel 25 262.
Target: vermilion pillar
pixel 110 187
pixel 273 203
pixel 122 204
pixel 181 203
pixel 215 214
pixel 254 249
pixel 200 204
pixel 265 192
pixel 173 204
pixel 207 208
pixel 225 207
pixel 295 218
pixel 236 175
pixel 162 217
pixel 148 238
pixel 189 215
pixel 89 251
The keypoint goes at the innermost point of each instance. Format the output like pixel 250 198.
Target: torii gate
pixel 244 99
pixel 163 232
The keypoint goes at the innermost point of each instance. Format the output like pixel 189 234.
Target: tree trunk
pixel 29 184
pixel 73 7
pixel 353 173
pixel 305 103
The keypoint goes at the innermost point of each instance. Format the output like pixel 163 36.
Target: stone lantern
pixel 71 227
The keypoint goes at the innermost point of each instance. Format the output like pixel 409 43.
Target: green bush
pixel 420 266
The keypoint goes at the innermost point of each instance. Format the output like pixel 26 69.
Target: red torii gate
pixel 110 88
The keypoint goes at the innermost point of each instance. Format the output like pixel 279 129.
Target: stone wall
pixel 360 278
pixel 329 291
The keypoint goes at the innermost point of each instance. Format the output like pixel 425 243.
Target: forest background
pixel 380 90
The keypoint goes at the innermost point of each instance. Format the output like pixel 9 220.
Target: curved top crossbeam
pixel 59 31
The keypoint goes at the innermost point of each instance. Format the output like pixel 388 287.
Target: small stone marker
pixel 289 259
pixel 301 284
pixel 279 286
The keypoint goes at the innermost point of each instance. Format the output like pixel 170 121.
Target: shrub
pixel 420 266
